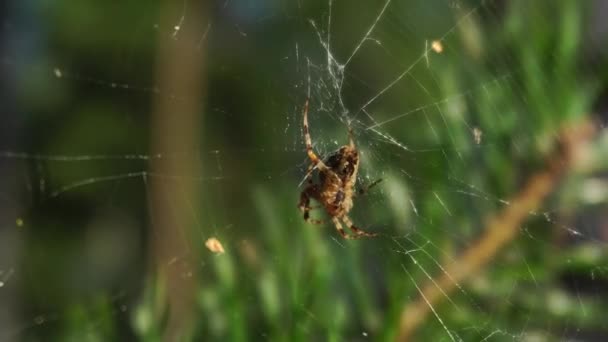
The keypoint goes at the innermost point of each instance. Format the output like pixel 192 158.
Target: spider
pixel 336 188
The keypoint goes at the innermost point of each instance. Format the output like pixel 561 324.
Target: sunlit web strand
pixel 423 108
pixel 111 157
pixel 334 68
pixel 138 174
pixel 428 276
pixel 429 304
pixel 418 60
pixel 437 103
pixel 76 158
pixel 368 33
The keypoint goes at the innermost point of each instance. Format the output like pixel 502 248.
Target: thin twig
pixel 501 229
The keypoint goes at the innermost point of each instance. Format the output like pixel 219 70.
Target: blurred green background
pixel 134 131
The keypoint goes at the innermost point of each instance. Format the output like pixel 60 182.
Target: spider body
pixel 338 182
pixel 335 190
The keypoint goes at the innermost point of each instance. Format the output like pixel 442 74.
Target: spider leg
pixel 366 188
pixel 310 220
pixel 351 140
pixel 341 230
pixel 305 207
pixel 311 154
pixel 360 232
pixel 309 171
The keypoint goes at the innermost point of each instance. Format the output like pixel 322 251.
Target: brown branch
pixel 176 131
pixel 501 229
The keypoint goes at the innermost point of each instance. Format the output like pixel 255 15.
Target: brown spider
pixel 336 188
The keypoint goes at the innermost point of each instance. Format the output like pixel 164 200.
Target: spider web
pixel 488 230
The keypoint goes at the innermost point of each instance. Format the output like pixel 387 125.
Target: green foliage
pixel 516 74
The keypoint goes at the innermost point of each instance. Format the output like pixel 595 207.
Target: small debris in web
pixel 477 134
pixel 57 72
pixel 19 222
pixel 214 245
pixel 437 46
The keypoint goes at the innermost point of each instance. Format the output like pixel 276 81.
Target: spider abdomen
pixel 337 198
